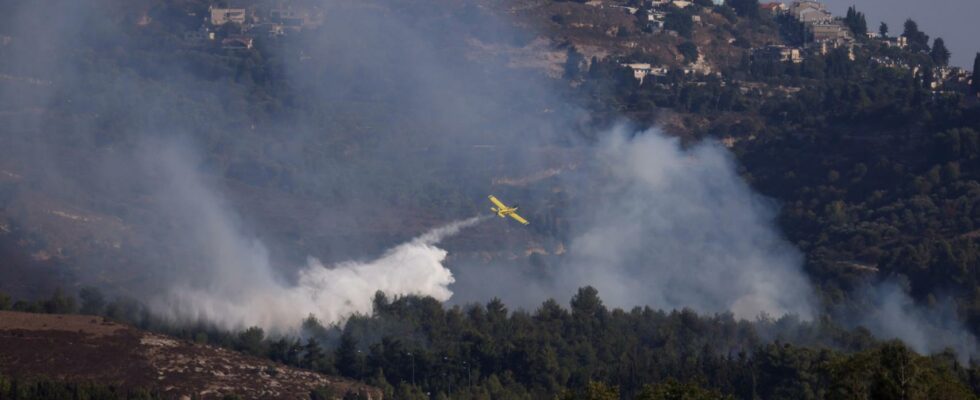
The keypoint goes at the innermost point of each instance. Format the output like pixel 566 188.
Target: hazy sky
pixel 953 20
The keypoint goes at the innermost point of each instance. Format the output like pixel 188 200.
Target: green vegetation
pixel 47 389
pixel 918 40
pixel 876 171
pixel 939 53
pixel 856 22
pixel 745 8
pixel 975 79
pixel 412 345
pixel 689 51
pixel 680 22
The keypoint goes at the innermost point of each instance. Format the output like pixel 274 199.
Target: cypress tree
pixel 856 22
pixel 975 82
pixel 940 55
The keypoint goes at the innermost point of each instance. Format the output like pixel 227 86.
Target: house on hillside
pixel 825 46
pixel 813 16
pixel 773 9
pixel 237 42
pixel 798 6
pixel 643 70
pixel 900 42
pixel 640 70
pixel 221 16
pixel 655 15
pixel 295 18
pixel 809 12
pixel 829 31
pixel 778 53
pixel 655 19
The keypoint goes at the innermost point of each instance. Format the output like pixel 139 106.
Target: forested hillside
pixel 336 146
pixel 412 346
pixel 876 172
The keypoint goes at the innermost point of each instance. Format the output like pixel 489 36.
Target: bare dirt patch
pixel 85 348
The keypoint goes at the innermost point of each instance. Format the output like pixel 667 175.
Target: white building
pixel 221 16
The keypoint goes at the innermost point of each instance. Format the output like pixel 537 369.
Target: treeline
pixel 417 348
pixel 876 169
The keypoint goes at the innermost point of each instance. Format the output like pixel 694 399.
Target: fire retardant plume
pixel 236 285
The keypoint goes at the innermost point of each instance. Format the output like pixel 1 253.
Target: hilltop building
pixel 221 16
pixel 642 70
pixel 775 8
pixel 829 31
pixel 809 11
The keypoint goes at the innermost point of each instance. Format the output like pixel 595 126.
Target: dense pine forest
pixel 415 347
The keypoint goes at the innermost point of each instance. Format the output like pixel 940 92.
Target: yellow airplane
pixel 504 211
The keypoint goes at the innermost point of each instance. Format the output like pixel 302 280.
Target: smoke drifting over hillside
pixel 667 227
pixel 889 312
pixel 679 228
pixel 235 285
pixel 385 114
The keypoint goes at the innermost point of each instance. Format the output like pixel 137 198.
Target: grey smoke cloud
pixel 396 109
pixel 887 310
pixel 678 228
pixel 667 227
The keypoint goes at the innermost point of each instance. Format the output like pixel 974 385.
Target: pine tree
pixel 312 355
pixel 348 357
pixel 745 8
pixel 940 55
pixel 883 29
pixel 918 40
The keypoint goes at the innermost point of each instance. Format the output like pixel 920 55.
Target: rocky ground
pixel 86 348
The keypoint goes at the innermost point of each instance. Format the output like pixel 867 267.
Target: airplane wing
pixel 518 218
pixel 497 202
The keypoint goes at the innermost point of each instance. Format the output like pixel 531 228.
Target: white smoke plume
pixel 238 287
pixel 890 313
pixel 678 228
pixel 668 227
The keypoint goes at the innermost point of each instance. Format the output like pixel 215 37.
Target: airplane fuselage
pixel 503 212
